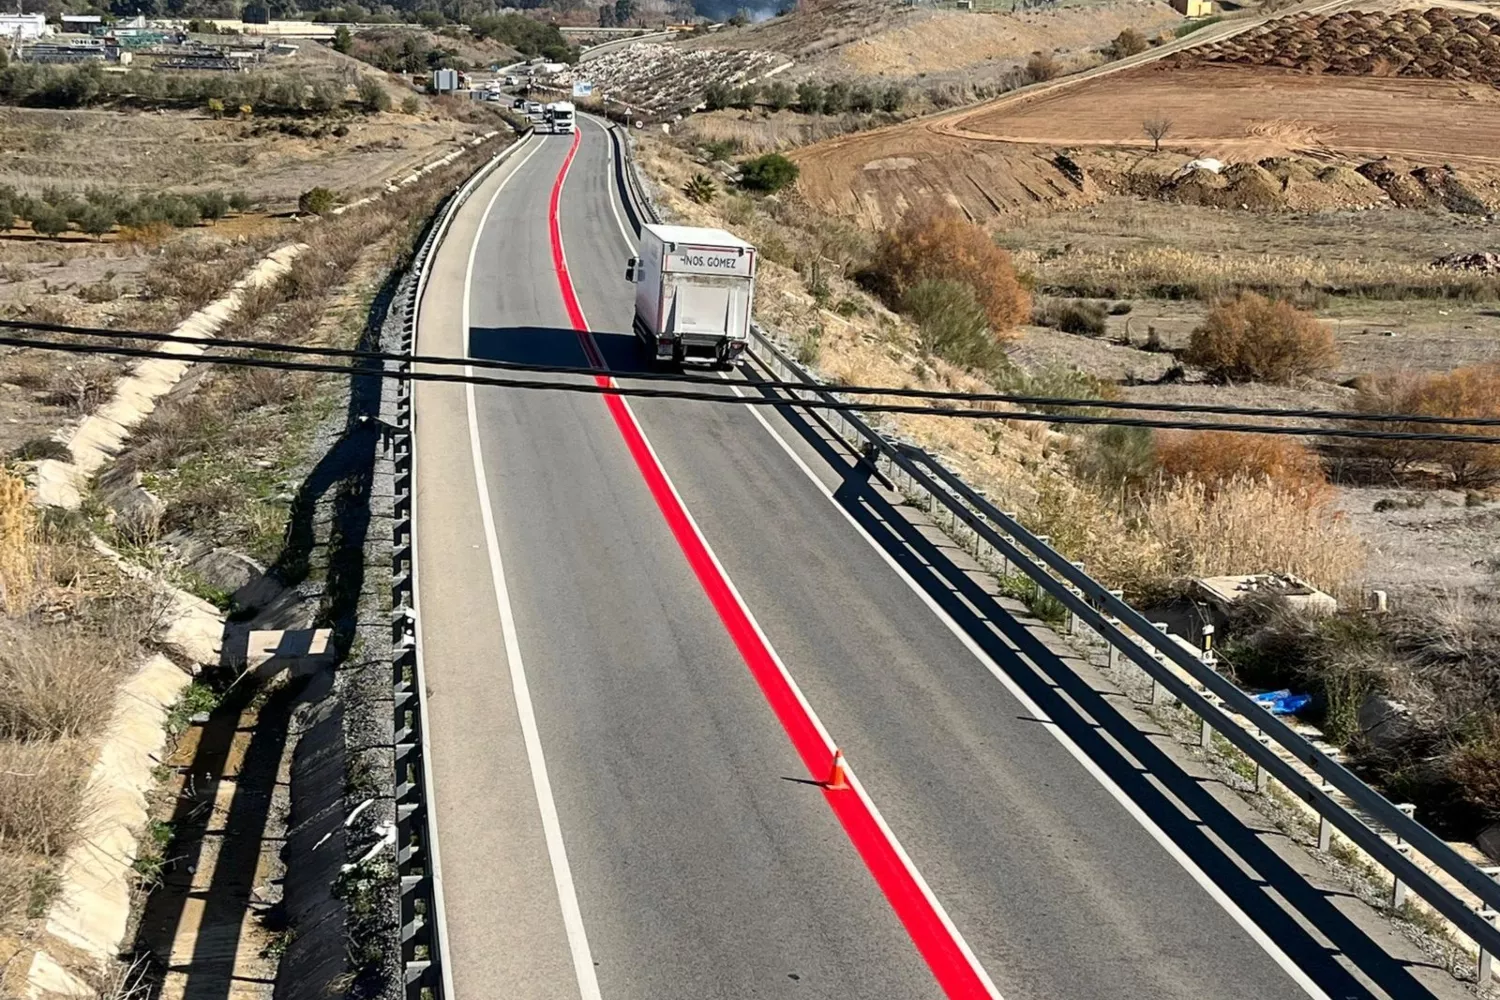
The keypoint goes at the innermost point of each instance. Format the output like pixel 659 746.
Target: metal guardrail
pixel 424 956
pixel 921 476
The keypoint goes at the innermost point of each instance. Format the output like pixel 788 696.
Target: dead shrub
pixel 58 681
pixel 28 369
pixel 941 245
pixel 1474 767
pixel 1042 66
pixel 1251 337
pixel 1472 392
pixel 40 788
pixel 258 387
pixel 1216 457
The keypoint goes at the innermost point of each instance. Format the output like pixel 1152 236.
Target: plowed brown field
pixel 1234 113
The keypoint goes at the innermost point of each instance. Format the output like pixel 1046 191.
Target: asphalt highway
pixel 643 625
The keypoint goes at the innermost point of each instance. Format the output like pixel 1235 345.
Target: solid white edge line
pixel 854 783
pixel 419 673
pixel 562 875
pixel 1198 875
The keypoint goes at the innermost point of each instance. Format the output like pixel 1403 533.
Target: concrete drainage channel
pixel 1423 870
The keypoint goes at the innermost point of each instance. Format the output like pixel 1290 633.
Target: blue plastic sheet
pixel 1283 702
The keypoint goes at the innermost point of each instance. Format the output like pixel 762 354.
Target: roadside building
pixel 25 27
pixel 1193 8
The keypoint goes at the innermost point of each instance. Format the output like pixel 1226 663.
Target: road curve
pixel 626 810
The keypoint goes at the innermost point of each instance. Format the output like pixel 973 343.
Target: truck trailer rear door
pixel 701 308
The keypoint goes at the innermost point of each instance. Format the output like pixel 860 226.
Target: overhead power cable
pixel 689 378
pixel 616 389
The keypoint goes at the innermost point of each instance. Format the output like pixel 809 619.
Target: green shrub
pixel 1077 316
pixel 862 99
pixel 48 221
pixel 717 96
pixel 212 205
pixel 410 105
pixel 7 215
pixel 97 220
pixel 746 96
pixel 373 96
pixel 239 201
pixel 1117 457
pixel 779 95
pixel 809 97
pixel 892 98
pixel 770 172
pixel 720 149
pixel 701 189
pixel 835 97
pixel 1120 309
pixel 317 201
pixel 952 324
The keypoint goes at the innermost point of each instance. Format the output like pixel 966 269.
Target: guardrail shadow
pixel 1056 688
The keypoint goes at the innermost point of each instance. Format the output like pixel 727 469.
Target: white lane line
pixel 1198 875
pixel 562 875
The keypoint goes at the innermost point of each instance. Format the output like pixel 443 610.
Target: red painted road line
pixel 955 971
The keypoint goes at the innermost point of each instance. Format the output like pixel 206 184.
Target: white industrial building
pixel 23 26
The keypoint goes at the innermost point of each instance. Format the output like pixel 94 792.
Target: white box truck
pixel 560 117
pixel 693 292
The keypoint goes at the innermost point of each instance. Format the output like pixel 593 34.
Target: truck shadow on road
pixel 553 347
pixel 1276 896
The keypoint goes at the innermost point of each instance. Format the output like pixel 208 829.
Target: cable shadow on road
pixel 1057 688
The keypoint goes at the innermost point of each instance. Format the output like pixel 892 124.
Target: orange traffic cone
pixel 837 778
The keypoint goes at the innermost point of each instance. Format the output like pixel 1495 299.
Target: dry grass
pixel 57 682
pixel 1151 541
pixel 17 546
pixel 40 789
pixel 1166 272
pixel 70 628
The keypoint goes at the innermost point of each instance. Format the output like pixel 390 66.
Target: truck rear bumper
pixel 691 348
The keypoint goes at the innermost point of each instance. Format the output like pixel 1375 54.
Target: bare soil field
pixel 1242 114
pixel 1309 87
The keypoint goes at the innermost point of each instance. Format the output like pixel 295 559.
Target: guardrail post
pixel 1205 731
pixel 1207 656
pixel 1004 560
pixel 1262 776
pixel 1398 887
pixel 1072 616
pixel 1486 970
pixel 1159 694
pixel 1325 828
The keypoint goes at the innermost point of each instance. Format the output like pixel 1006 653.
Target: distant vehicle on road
pixel 534 111
pixel 693 292
pixel 560 118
